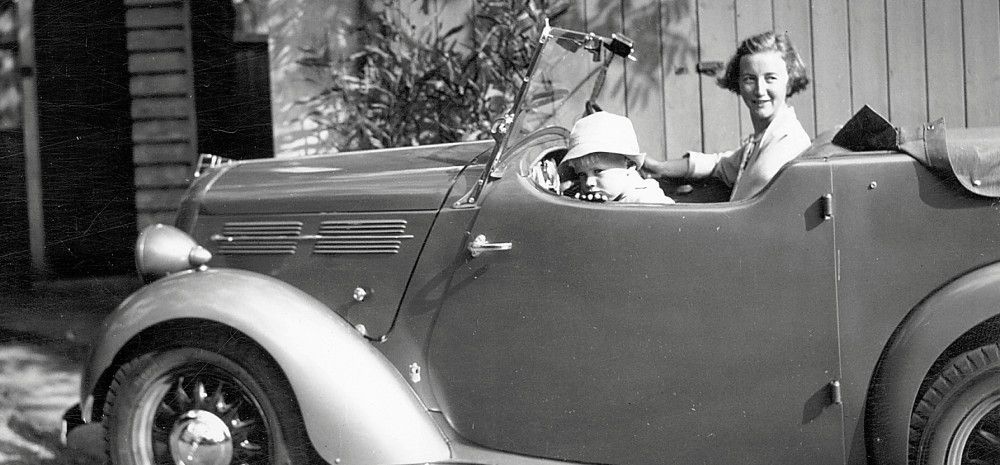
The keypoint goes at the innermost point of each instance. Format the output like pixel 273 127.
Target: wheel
pixel 958 419
pixel 204 401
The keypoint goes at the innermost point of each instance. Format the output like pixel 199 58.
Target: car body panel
pixel 615 333
pixel 925 334
pixel 322 244
pixel 414 178
pixel 902 232
pixel 327 255
pixel 356 407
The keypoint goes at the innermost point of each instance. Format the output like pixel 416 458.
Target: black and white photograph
pixel 499 232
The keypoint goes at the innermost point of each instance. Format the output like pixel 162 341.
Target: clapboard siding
pixel 164 129
pixel 160 200
pixel 158 39
pixel 154 154
pixel 157 62
pixel 162 176
pixel 158 107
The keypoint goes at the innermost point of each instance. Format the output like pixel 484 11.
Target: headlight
pixel 162 250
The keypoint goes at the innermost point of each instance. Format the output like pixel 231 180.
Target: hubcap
pixel 977 439
pixel 201 415
pixel 201 438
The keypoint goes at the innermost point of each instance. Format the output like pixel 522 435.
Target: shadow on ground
pixel 45 331
pixel 39 380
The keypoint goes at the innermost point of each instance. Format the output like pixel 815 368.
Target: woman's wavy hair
pixel 768 41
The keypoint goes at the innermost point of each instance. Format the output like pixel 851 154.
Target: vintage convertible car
pixel 445 304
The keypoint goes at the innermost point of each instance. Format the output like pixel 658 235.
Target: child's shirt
pixel 645 191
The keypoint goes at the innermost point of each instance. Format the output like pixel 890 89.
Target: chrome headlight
pixel 161 250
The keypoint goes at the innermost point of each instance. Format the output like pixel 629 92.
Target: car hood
pixel 412 178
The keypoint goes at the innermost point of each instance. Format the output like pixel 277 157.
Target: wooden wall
pixel 911 60
pixel 164 127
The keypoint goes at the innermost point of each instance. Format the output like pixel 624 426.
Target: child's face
pixel 763 86
pixel 605 173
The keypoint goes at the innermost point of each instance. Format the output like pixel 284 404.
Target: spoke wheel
pixel 957 421
pixel 190 405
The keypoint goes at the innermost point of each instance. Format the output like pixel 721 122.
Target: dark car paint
pixel 902 232
pixel 450 293
pixel 403 179
pixel 332 278
pixel 626 334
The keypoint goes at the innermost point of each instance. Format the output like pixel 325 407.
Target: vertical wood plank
pixel 831 63
pixel 575 17
pixel 869 61
pixel 717 36
pixel 604 18
pixel 792 17
pixel 752 18
pixel 907 65
pixel 681 84
pixel 644 77
pixel 982 62
pixel 946 67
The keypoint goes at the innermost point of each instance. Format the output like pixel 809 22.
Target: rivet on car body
pixel 360 294
pixel 872 185
pixel 415 372
pixel 361 329
pixel 977 182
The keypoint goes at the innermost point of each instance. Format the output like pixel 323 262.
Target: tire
pixel 957 421
pixel 208 400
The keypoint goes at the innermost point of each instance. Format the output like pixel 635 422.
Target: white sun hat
pixel 604 132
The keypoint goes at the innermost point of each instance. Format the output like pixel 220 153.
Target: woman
pixel 765 71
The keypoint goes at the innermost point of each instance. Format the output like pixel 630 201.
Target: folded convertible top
pixel 970 155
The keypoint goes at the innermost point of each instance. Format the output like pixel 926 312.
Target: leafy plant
pixel 405 87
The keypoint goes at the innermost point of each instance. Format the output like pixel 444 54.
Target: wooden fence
pixel 910 60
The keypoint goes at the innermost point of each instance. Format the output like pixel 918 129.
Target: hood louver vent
pixel 259 237
pixel 361 237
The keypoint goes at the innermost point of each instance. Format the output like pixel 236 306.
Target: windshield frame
pixel 566 43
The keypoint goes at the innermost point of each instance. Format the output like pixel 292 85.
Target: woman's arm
pixel 676 168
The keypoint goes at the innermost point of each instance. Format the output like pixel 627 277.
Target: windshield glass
pixel 560 85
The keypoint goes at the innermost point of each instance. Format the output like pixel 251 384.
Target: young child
pixel 604 154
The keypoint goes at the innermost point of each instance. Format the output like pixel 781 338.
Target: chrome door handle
pixel 480 245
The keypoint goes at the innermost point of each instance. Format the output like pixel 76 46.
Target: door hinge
pixel 836 398
pixel 826 206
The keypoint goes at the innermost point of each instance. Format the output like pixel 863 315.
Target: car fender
pixel 357 408
pixel 927 331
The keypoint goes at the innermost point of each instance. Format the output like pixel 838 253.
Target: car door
pixel 614 333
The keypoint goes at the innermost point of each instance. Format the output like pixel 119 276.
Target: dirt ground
pixel 39 380
pixel 45 331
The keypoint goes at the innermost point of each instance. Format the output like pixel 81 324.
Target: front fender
pixel 357 408
pixel 925 334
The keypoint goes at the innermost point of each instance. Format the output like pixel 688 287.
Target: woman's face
pixel 763 86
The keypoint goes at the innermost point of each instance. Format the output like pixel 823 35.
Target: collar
pixel 780 120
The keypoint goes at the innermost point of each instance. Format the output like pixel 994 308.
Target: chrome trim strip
pixel 227 239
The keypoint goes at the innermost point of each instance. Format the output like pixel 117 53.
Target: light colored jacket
pixel 749 168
